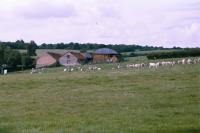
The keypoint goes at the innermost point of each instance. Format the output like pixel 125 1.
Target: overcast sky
pixel 156 22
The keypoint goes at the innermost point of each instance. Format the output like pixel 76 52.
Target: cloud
pixel 193 5
pixel 44 9
pixel 101 21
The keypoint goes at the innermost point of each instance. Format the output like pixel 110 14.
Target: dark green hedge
pixel 175 54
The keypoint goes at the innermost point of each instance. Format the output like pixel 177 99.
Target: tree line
pixel 193 52
pixel 14 60
pixel 20 44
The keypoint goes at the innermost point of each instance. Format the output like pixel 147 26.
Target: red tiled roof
pixel 54 55
pixel 78 55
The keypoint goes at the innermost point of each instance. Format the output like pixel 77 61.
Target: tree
pixel 4 54
pixel 13 58
pixel 9 58
pixel 19 44
pixel 26 61
pixel 31 49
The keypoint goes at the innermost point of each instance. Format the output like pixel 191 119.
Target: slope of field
pixel 43 51
pixel 166 100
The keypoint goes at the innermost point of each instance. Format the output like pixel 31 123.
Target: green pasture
pixel 166 100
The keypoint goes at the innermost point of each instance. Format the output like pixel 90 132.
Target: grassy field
pixel 166 100
pixel 43 51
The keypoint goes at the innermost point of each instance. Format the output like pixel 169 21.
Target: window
pixel 68 56
pixel 68 61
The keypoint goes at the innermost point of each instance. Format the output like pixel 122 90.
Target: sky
pixel 164 23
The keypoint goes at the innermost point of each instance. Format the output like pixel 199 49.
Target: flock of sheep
pixel 164 63
pixel 153 65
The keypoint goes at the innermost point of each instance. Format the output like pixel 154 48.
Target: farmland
pixel 42 51
pixel 164 101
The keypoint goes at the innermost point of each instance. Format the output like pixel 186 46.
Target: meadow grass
pixel 166 100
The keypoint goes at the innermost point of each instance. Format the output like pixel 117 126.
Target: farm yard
pixel 162 100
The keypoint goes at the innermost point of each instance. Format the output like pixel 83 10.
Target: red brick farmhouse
pixel 48 59
pixel 71 59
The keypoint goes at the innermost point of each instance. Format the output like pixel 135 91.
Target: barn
pixel 105 55
pixel 48 59
pixel 71 59
pixel 88 57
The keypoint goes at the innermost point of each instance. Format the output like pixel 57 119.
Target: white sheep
pixel 189 61
pixel 153 65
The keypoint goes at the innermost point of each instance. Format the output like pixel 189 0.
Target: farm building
pixel 72 59
pixel 88 57
pixel 105 55
pixel 47 60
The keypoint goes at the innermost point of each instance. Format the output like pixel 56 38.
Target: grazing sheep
pixel 142 65
pixel 159 64
pixel 134 66
pixel 173 63
pixel 183 61
pixel 179 61
pixel 153 65
pixel 118 67
pixel 137 66
pixel 189 61
pixel 195 61
pixel 34 71
pixel 198 60
pixel 130 66
pixel 81 69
